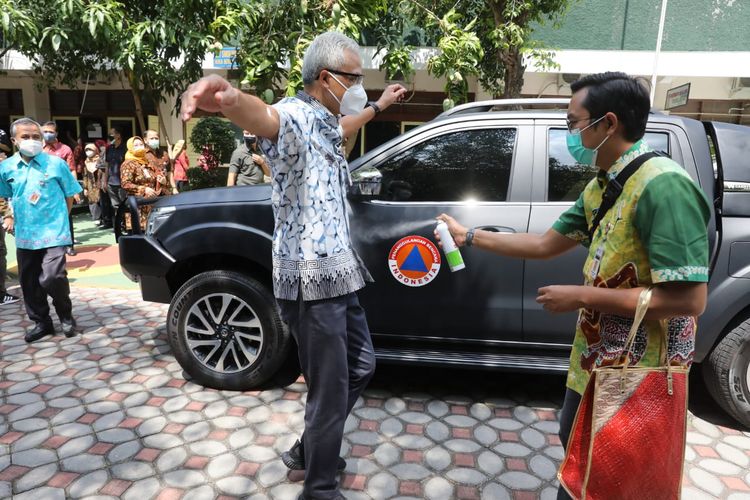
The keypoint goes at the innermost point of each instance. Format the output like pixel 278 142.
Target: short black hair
pixel 622 94
pixel 45 124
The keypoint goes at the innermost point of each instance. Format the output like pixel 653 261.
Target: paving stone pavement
pixel 110 415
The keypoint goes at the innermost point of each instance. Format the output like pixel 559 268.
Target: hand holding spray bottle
pixel 451 251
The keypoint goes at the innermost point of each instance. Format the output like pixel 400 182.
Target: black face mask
pixel 111 137
pixel 249 142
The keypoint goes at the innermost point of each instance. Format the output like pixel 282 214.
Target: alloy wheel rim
pixel 223 333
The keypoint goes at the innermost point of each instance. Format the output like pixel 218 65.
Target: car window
pixel 567 178
pixel 459 166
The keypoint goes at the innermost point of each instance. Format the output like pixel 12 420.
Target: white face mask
pixel 354 100
pixel 89 153
pixel 30 147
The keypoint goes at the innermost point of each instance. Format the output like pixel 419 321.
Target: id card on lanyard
pixel 599 253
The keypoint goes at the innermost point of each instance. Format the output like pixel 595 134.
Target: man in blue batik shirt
pixel 316 272
pixel 41 188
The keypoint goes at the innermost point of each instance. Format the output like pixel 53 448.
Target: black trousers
pixel 72 233
pixel 3 261
pixel 117 196
pixel 567 416
pixel 42 273
pixel 337 360
pixel 106 206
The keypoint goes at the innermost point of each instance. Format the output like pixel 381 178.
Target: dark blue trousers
pixel 337 360
pixel 567 418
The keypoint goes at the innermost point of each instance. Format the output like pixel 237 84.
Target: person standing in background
pixel 93 171
pixel 7 222
pixel 159 159
pixel 181 165
pixel 140 177
pixel 247 167
pixel 53 146
pixel 79 157
pixel 105 205
pixel 114 157
pixel 5 212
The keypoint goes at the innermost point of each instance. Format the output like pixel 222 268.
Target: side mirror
pixel 366 184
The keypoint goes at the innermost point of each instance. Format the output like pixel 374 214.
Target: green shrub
pixel 216 134
pixel 198 178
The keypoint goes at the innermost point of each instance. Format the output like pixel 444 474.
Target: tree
pixel 272 44
pixel 504 29
pixel 158 47
pixel 216 134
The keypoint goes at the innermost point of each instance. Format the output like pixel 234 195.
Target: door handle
pixel 497 229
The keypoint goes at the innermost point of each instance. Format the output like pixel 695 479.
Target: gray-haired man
pixel 303 138
pixel 41 187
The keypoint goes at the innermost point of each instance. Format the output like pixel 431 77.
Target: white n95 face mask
pixel 354 100
pixel 30 147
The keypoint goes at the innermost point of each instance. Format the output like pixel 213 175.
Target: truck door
pixel 475 172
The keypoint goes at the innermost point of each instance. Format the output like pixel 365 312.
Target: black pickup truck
pixel 208 252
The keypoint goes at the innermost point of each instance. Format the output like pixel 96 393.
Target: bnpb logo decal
pixel 414 261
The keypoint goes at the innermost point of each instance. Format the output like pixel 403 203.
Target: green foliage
pixel 397 63
pixel 503 29
pixel 216 134
pixel 159 46
pixel 281 30
pixel 460 53
pixel 199 178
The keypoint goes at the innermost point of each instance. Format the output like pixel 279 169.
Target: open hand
pixel 211 93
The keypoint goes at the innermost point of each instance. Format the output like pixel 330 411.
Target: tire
pixel 727 373
pixel 225 331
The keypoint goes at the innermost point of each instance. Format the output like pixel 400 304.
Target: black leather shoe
pixel 68 327
pixel 340 497
pixel 71 251
pixel 294 459
pixel 39 331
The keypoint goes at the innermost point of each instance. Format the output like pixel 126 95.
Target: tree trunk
pixel 162 125
pixel 137 99
pixel 514 70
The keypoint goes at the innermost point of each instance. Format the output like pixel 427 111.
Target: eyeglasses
pixel 572 122
pixel 354 78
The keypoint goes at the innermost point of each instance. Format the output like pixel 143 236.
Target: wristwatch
pixel 373 106
pixel 469 237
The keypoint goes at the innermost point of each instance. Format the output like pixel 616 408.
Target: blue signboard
pixel 225 58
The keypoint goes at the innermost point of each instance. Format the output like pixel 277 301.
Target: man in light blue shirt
pixel 41 189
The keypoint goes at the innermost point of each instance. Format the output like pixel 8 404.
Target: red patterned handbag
pixel 628 438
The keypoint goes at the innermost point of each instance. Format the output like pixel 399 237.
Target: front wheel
pixel 225 331
pixel 727 373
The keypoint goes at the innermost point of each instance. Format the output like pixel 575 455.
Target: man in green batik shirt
pixel 654 235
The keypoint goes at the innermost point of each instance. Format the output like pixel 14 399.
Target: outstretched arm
pixel 213 94
pixel 521 245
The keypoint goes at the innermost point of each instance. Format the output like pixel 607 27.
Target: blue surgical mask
pixel 578 151
pixel 50 136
